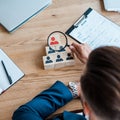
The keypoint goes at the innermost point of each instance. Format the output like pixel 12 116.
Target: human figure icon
pixel 51 50
pixel 59 59
pixel 53 41
pixel 61 49
pixel 69 56
pixel 48 60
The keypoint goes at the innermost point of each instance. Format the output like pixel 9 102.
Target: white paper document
pixel 14 72
pixel 95 30
pixel 112 5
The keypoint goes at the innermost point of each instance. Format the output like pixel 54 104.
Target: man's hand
pixel 82 51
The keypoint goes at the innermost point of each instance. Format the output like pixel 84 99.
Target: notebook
pixel 13 13
pixel 95 30
pixel 112 5
pixel 12 69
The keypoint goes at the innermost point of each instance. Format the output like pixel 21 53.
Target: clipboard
pixel 95 30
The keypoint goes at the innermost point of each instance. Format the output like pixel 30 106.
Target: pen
pixel 8 76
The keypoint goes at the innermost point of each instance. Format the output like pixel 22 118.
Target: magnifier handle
pixel 68 45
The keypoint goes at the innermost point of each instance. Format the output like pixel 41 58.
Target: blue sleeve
pixel 44 104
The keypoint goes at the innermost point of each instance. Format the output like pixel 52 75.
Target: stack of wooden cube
pixel 59 59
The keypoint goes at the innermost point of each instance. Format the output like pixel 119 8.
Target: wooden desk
pixel 26 47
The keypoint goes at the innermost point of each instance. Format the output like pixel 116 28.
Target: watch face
pixel 73 88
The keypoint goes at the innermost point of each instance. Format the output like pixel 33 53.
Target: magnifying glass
pixel 57 41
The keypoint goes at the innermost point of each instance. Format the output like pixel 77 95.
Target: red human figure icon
pixel 53 41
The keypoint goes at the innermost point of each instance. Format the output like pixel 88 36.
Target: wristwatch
pixel 73 88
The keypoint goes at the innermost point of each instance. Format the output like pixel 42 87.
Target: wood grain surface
pixel 26 46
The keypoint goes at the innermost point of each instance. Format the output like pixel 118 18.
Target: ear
pixel 87 110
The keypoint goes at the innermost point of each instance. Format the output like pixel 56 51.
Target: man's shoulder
pixel 68 115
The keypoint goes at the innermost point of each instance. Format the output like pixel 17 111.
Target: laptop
pixel 14 13
pixel 112 5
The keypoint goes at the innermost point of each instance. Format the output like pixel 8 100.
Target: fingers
pixel 82 51
pixel 77 46
pixel 74 50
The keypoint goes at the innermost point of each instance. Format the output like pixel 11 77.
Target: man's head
pixel 100 84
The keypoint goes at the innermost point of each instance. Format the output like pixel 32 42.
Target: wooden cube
pixel 70 59
pixel 49 50
pixel 48 62
pixel 54 40
pixel 60 60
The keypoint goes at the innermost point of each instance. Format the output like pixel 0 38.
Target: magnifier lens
pixel 57 41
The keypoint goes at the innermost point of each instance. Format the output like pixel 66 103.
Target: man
pixel 99 89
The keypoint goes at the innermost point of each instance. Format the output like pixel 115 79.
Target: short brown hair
pixel 101 82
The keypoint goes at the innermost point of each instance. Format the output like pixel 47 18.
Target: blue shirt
pixel 47 102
